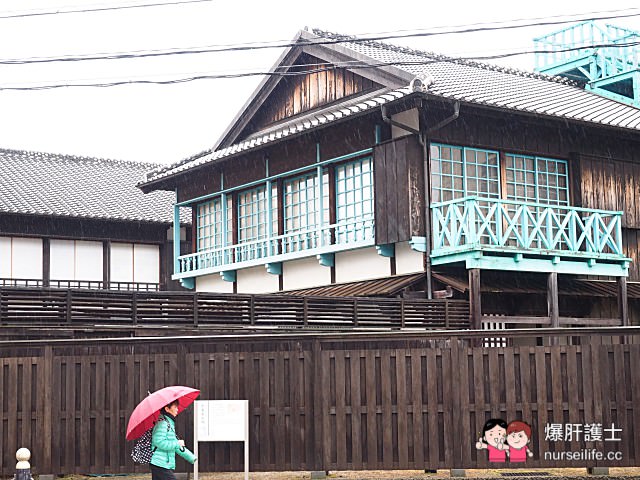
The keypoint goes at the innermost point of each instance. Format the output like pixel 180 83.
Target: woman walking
pixel 165 444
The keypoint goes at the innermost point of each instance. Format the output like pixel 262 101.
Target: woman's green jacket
pixel 164 444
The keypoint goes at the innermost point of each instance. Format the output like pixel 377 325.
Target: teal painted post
pixel 573 218
pixel 378 134
pixel 320 202
pixel 269 212
pixel 224 257
pixel 176 237
pixel 618 240
pixel 470 208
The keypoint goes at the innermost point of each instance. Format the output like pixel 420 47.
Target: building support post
pixel 552 299
pixel 475 306
pixel 623 301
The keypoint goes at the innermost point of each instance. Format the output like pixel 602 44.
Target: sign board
pixel 221 421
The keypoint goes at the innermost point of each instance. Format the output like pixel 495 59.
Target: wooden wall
pixel 319 403
pixel 399 190
pixel 300 93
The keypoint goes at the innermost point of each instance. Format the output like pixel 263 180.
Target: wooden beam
pixel 475 305
pixel 552 299
pixel 46 262
pixel 623 301
pixel 517 320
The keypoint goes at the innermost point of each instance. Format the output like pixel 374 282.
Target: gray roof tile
pixel 68 186
pixel 455 79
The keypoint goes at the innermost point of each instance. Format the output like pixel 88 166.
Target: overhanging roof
pixel 445 78
pixel 382 287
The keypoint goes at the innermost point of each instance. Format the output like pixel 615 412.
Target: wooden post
pixel 623 301
pixel 552 299
pixel 475 306
pixel 106 264
pixel 46 262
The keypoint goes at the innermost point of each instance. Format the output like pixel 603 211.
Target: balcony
pixel 320 241
pixel 498 234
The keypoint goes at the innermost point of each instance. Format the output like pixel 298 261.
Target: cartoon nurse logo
pixel 518 437
pixel 502 441
pixel 494 435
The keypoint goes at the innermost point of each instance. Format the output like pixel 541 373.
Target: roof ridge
pixel 444 58
pixel 75 158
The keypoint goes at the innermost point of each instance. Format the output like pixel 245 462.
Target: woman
pixel 165 444
pixel 494 434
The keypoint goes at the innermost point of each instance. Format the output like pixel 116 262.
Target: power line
pixel 351 64
pixel 100 9
pixel 331 41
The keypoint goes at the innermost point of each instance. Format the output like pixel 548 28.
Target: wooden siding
pixel 322 403
pixel 399 190
pixel 300 93
pixel 611 184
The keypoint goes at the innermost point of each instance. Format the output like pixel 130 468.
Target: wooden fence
pixel 29 306
pixel 327 401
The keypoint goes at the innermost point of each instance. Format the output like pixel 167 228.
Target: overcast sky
pixel 165 123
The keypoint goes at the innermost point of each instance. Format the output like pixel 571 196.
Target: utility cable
pixel 337 39
pixel 100 9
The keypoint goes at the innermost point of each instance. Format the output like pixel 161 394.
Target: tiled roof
pixel 348 108
pixel 501 87
pixel 445 77
pixel 34 183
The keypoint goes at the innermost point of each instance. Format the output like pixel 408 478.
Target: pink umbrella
pixel 148 410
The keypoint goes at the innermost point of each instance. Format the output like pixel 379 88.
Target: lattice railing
pixel 299 243
pixel 502 225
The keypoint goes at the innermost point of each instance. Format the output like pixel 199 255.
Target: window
pixel 354 201
pixel 458 172
pixel 214 230
pixel 256 222
pixel 301 212
pixel 537 179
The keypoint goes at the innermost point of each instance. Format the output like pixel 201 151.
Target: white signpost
pixel 221 421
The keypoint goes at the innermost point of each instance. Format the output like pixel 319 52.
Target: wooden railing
pixel 90 284
pixel 29 306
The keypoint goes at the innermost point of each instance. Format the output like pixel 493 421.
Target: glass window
pixel 537 179
pixel 253 222
pixel 301 211
pixel 458 172
pixel 210 218
pixel 354 201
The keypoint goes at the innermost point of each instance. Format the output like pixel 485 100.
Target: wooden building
pixel 368 161
pixel 77 222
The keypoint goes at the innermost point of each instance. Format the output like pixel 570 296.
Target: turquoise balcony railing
pixel 513 235
pixel 319 241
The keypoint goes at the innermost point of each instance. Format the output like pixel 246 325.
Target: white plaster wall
pixel 122 262
pixel 256 280
pixel 304 273
pixel 5 257
pixel 146 263
pixel 26 258
pixel 361 264
pixel 62 260
pixel 213 283
pixel 88 260
pixel 408 260
pixel 408 117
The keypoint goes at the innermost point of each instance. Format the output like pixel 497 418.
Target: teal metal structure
pixel 605 57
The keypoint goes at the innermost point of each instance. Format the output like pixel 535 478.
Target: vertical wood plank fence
pixel 325 402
